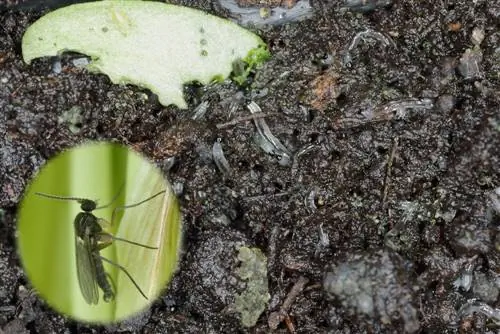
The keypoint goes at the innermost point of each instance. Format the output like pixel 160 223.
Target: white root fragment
pixel 324 241
pixel 266 140
pixel 399 109
pixel 219 159
pixel 470 64
pixel 310 200
pixel 474 306
pixel 275 318
pixel 200 111
pixel 363 36
pixel 365 6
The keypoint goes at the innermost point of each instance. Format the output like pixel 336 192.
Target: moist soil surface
pixel 385 216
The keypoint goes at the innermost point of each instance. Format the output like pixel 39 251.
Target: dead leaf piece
pixel 454 26
pixel 323 91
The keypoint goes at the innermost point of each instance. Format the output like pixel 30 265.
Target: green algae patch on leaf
pixel 148 44
pixel 253 300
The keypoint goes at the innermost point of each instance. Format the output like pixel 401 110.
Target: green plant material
pixel 149 44
pixel 46 238
pixel 243 67
pixel 253 301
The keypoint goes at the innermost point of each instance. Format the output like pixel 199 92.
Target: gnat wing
pixel 85 269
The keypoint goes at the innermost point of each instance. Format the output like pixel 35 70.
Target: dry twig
pixel 277 317
pixel 243 119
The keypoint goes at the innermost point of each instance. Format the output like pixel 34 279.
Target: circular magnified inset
pixel 99 231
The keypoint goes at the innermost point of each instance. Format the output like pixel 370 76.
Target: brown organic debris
pixel 323 91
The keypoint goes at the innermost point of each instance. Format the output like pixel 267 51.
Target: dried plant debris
pixel 470 63
pixel 323 90
pixel 253 301
pixel 266 140
pixel 375 287
pixel 477 36
pixel 200 111
pixel 474 306
pixel 392 110
pixel 478 281
pixel 219 158
pixel 73 118
pixel 363 36
pixel 266 3
pixel 365 6
pixel 271 14
pixel 149 44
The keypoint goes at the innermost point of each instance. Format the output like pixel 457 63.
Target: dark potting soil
pixel 385 217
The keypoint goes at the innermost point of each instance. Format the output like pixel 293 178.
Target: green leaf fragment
pixel 253 301
pixel 149 44
pixel 243 67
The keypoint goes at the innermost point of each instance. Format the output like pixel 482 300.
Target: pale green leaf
pixel 149 44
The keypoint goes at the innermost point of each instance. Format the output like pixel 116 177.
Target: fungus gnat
pixel 90 239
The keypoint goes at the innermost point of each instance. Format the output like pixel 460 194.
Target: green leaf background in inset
pixel 95 171
pixel 154 223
